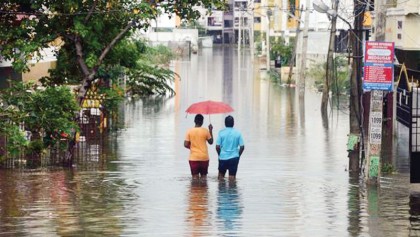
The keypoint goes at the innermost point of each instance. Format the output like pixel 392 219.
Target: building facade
pixel 402 22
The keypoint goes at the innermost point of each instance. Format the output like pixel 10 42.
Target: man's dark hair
pixel 229 121
pixel 199 119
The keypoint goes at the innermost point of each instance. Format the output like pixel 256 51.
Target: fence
pixel 84 148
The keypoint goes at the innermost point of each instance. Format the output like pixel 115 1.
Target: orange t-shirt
pixel 198 137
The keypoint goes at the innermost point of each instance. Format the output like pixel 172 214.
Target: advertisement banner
pixel 379 66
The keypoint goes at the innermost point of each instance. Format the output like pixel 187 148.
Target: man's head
pixel 229 122
pixel 198 120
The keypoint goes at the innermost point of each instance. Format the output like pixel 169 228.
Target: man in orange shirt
pixel 195 140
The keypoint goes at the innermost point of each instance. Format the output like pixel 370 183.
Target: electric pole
pixel 301 79
pixel 329 71
pixel 356 87
pixel 268 37
pixel 292 59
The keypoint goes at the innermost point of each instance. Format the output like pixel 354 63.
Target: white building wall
pixel 402 25
pixel 176 35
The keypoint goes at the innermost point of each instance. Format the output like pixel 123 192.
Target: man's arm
pixel 218 149
pixel 241 149
pixel 210 141
pixel 187 144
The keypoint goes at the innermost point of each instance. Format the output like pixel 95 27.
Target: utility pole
pixel 251 41
pixel 268 37
pixel 301 79
pixel 239 31
pixel 292 60
pixel 329 71
pixel 356 88
pixel 388 124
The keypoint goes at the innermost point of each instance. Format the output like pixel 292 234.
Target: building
pixel 402 22
pixel 38 68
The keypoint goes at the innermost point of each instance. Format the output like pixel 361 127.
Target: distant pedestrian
pixel 196 140
pixel 229 147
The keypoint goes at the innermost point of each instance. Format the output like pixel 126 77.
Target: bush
pixel 340 83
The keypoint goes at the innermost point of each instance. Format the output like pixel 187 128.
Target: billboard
pixel 379 66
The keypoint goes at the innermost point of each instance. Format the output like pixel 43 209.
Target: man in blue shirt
pixel 229 147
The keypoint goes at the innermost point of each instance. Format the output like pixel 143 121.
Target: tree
pixel 84 33
pixel 280 48
pixel 48 111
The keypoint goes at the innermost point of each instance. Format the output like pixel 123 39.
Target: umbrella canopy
pixel 209 107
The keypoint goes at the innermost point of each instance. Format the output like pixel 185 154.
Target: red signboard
pixel 379 67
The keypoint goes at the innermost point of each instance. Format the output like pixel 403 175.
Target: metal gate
pixel 408 114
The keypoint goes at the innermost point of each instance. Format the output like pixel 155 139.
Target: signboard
pixel 379 66
pixel 375 127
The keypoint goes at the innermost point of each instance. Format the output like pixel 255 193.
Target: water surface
pixel 292 178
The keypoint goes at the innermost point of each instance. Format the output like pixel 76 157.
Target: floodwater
pixel 292 178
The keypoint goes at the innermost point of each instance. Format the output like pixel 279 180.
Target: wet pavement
pixel 292 178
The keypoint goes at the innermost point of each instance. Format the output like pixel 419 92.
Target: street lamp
pixel 321 7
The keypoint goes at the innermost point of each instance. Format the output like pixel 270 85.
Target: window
pixel 211 21
pixel 240 5
pixel 245 21
pixel 399 36
pixel 257 19
pixel 228 23
pixel 399 25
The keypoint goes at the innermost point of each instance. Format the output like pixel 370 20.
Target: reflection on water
pixel 292 180
pixel 58 203
pixel 198 209
pixel 415 214
pixel 229 208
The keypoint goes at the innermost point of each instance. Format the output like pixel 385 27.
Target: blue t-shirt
pixel 229 140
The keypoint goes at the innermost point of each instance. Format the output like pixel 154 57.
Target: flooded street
pixel 292 178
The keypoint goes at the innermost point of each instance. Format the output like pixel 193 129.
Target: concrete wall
pixel 318 42
pixel 38 70
pixel 190 35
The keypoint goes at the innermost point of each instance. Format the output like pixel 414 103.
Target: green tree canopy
pixel 84 32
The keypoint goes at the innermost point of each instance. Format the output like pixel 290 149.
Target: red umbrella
pixel 209 107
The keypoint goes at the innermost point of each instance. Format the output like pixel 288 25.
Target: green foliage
pixel 340 84
pixel 274 75
pixel 91 37
pixel 50 111
pixel 279 47
pixel 158 55
pixel 92 25
pixel 258 42
pixel 36 146
pixel 193 24
pixel 15 100
pixel 16 139
pixel 113 97
pixel 149 80
pixel 387 168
